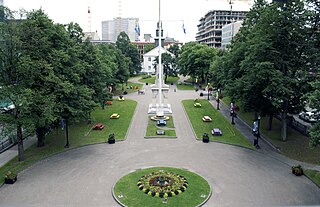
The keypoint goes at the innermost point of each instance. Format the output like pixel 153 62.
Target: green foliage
pixel 129 51
pixel 195 60
pixel 314 98
pixel 169 65
pixel 148 47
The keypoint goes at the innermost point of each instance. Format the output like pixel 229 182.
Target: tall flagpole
pixel 160 65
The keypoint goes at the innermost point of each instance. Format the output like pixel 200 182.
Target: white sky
pixel 173 13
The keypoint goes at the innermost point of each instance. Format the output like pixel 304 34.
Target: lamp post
pixel 218 99
pixel 67 133
pixel 208 89
pixel 258 135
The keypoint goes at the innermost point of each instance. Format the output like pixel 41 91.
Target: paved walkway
pixel 238 176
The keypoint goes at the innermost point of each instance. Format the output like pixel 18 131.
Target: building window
pixel 149 67
pixel 149 59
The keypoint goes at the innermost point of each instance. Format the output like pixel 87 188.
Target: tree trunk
pixel 67 134
pixel 284 126
pixel 20 143
pixel 41 133
pixel 284 121
pixel 270 121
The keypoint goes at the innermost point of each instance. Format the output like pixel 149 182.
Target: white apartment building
pixel 228 32
pixel 112 28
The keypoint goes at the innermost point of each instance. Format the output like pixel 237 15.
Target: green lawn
pixel 126 87
pixel 230 134
pixel 80 134
pixel 172 79
pixel 184 86
pixel 150 80
pixel 169 129
pixel 133 197
pixel 314 175
pixel 297 145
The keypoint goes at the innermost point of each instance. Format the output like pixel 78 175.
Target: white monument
pixel 159 89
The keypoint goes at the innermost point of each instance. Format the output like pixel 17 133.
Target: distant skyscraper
pixel 112 28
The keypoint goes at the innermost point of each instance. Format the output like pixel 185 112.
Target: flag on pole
pixel 184 29
pixel 137 28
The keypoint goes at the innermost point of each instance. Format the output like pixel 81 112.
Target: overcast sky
pixel 173 12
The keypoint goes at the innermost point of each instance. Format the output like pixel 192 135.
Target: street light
pixel 218 99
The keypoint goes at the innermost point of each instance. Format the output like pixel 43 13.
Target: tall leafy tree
pixel 38 51
pixel 195 60
pixel 14 77
pixel 73 97
pixel 130 51
pixel 168 64
pixel 314 62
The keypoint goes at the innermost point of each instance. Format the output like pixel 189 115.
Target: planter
pixel 10 180
pixel 297 170
pixel 111 139
pixel 205 138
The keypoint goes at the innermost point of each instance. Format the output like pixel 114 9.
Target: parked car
pixel 309 116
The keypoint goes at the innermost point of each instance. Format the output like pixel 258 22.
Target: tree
pixel 195 60
pixel 130 51
pixel 266 64
pixel 175 50
pixel 168 64
pixel 314 98
pixel 75 99
pixel 148 47
pixel 39 43
pixel 314 62
pixel 14 77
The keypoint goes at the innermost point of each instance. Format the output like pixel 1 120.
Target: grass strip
pixel 230 134
pixel 168 129
pixel 314 175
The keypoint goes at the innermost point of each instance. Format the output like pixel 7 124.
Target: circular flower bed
pixel 171 187
pixel 162 184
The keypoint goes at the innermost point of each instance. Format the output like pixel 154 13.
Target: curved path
pixel 85 176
